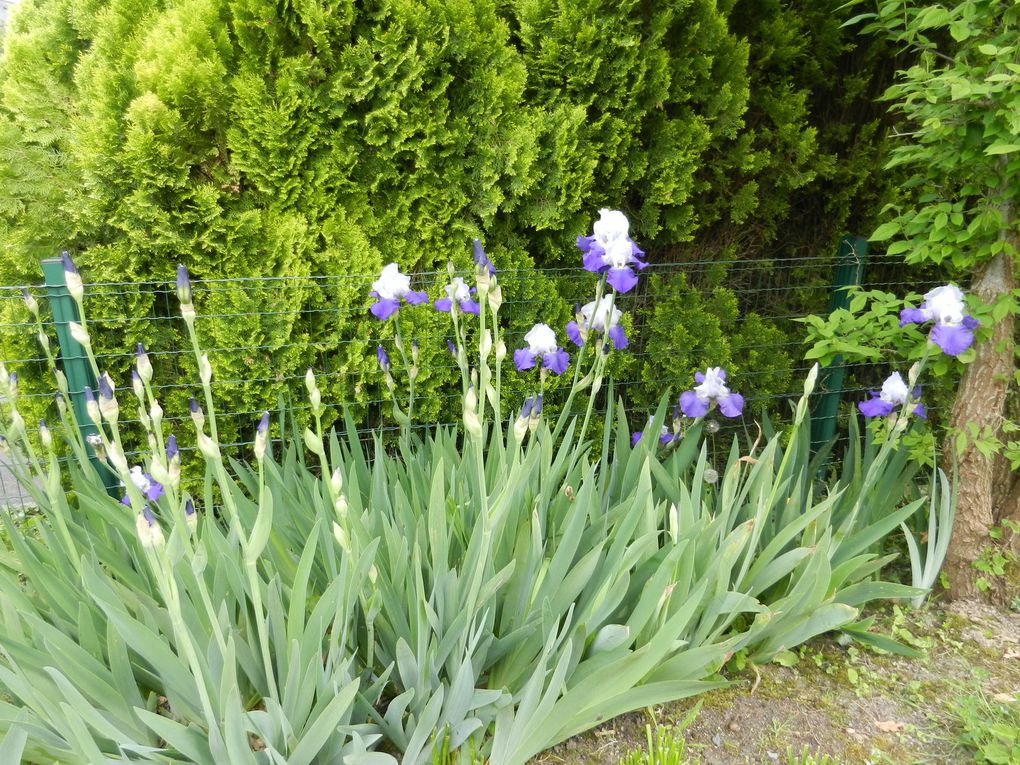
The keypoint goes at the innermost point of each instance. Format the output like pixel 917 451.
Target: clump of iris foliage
pixel 487 590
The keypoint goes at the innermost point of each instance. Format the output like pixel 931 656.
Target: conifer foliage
pixel 257 138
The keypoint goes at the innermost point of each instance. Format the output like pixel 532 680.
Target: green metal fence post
pixel 850 260
pixel 73 360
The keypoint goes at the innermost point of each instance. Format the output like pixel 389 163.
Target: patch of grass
pixel 990 727
pixel 805 757
pixel 666 746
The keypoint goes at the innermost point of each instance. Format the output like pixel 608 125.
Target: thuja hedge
pixel 249 138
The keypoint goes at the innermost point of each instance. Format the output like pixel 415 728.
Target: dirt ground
pixel 849 702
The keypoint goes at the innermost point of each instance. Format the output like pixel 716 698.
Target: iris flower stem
pixel 597 370
pixel 461 347
pixel 326 477
pixel 255 584
pixel 206 387
pixel 497 403
pixel 67 418
pixel 599 367
pixel 88 348
pixel 166 582
pixel 483 361
pixel 561 421
pixel 405 428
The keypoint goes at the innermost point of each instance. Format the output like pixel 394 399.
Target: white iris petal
pixel 618 253
pixel 894 390
pixel 944 305
pixel 541 339
pixel 601 319
pixel 392 284
pixel 611 226
pixel 458 290
pixel 714 386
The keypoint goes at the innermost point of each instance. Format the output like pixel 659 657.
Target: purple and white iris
pixel 459 293
pixel 954 329
pixel 711 390
pixel 605 319
pixel 611 251
pixel 893 395
pixel 542 346
pixel 666 436
pixel 389 289
pixel 146 484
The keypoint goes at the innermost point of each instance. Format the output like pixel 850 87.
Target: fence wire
pixel 779 291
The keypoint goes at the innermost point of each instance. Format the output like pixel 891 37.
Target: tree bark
pixel 980 401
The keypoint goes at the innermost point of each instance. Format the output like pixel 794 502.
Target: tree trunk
pixel 980 401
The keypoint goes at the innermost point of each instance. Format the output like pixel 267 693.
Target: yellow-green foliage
pixel 253 138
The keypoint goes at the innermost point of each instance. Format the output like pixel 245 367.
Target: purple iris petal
pixel 536 408
pixel 189 507
pixel 183 284
pixel 952 340
pixel 469 306
pixel 171 447
pixel 523 359
pixel 384 359
pixel 875 407
pixel 574 333
pixel 481 259
pixel 635 437
pixel 970 322
pixel 69 266
pixel 451 347
pixel 443 304
pixel 592 259
pixel 384 308
pixel 692 406
pixel 529 404
pixel 416 298
pixel 911 316
pixel 699 377
pixel 263 426
pixel 921 411
pixel 126 500
pixel 557 361
pixel 618 336
pixel 666 438
pixel 637 253
pixel 155 490
pixel 731 405
pixel 147 514
pixel 584 243
pixel 622 279
pixel 105 389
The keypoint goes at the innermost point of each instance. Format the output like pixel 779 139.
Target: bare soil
pixel 849 702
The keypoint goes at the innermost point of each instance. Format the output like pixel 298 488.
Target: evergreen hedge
pixel 257 138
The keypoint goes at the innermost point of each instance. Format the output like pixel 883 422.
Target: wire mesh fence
pixel 262 333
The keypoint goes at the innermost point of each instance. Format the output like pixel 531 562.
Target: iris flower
pixel 611 251
pixel 389 289
pixel 893 395
pixel 602 320
pixel 711 390
pixel 953 332
pixel 146 484
pixel 542 346
pixel 458 292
